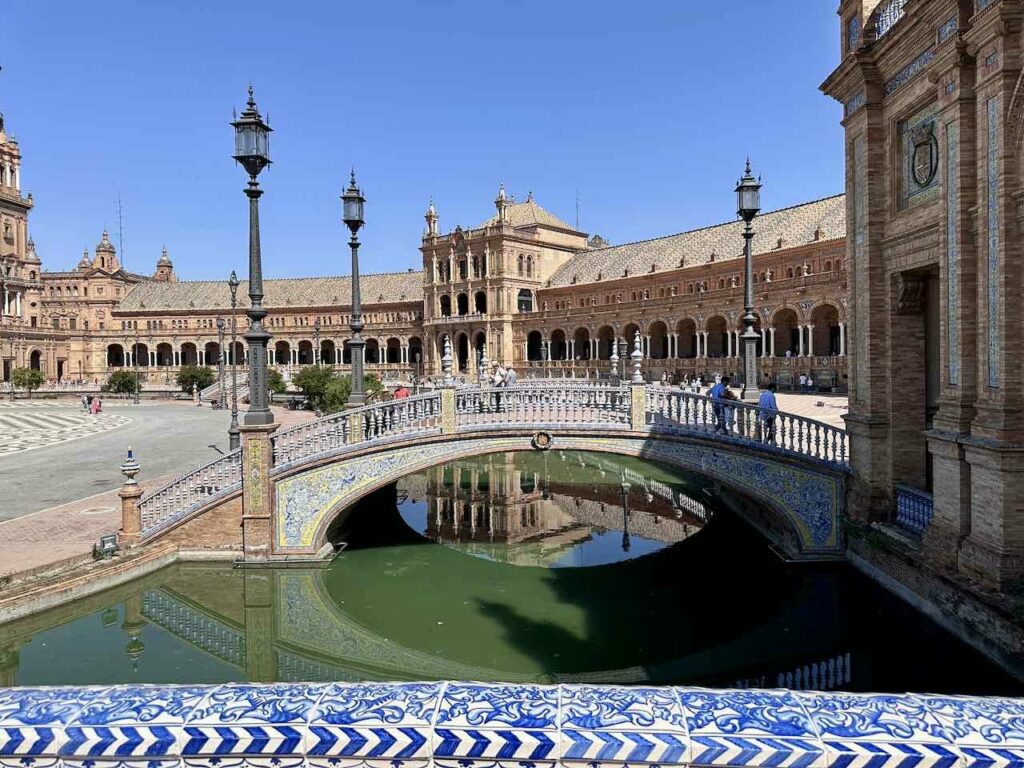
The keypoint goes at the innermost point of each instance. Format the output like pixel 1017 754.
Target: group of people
pixel 502 376
pixel 92 404
pixel 723 408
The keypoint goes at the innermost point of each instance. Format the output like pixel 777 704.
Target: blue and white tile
pixel 988 732
pixel 264 726
pixel 487 725
pixel 131 726
pixel 32 723
pixel 749 728
pixel 602 725
pixel 879 731
pixel 373 724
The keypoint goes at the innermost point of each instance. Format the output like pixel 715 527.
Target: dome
pixel 164 260
pixel 105 245
pixel 30 255
pixel 85 263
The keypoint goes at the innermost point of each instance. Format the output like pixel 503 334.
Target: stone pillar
pixel 800 336
pixel 130 493
pixel 810 339
pixel 257 491
pixel 842 339
pixel 728 343
pixel 260 627
pixel 764 343
pixel 704 343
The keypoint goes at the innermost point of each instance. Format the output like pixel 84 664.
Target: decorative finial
pixel 637 358
pixel 529 196
pixel 352 177
pixel 446 361
pixel 251 103
pixel 130 468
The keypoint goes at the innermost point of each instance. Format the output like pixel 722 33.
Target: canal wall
pixel 470 725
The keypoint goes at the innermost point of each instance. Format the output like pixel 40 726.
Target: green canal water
pixel 516 567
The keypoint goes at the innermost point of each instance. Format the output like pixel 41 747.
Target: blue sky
pixel 647 109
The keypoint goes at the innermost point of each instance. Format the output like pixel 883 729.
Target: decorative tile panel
pixel 948 29
pixel 469 725
pixel 909 72
pixel 856 102
pixel 994 275
pixel 920 167
pixel 952 256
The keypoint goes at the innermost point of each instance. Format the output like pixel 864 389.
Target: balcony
pixel 913 509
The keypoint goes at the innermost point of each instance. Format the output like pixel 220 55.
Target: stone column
pixel 704 344
pixel 810 339
pixel 130 493
pixel 771 340
pixel 764 343
pixel 800 337
pixel 728 343
pixel 257 491
pixel 842 339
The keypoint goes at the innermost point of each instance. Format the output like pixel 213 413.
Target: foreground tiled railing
pixel 468 725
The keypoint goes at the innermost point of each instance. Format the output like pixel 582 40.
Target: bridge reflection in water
pixel 718 608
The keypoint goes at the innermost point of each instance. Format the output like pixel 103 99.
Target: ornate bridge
pixel 298 480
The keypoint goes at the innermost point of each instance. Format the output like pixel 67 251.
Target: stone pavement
pixel 25 425
pixel 828 409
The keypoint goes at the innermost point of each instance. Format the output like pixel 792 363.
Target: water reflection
pixel 554 511
pixel 717 609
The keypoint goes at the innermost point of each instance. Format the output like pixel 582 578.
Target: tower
pixel 501 203
pixel 165 269
pixel 431 218
pixel 106 255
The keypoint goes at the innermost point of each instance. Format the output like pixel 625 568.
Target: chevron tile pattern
pixel 473 725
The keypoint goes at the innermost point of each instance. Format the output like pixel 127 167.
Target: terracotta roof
pixel 529 214
pixel 384 288
pixel 796 226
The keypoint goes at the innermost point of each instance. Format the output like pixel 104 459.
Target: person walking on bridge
pixel 768 411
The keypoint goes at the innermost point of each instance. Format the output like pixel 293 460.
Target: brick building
pixel 934 114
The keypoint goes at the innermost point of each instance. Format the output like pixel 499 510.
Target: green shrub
pixel 199 375
pixel 120 382
pixel 275 382
pixel 28 379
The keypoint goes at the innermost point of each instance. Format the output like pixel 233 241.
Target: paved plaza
pixel 26 426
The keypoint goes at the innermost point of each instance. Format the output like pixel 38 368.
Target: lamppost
pixel 316 342
pixel 748 203
pixel 624 488
pixel 222 395
pixel 252 151
pixel 352 207
pixel 135 363
pixel 233 433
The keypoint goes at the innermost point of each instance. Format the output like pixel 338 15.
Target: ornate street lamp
pixel 233 433
pixel 316 342
pixel 352 215
pixel 748 203
pixel 252 151
pixel 135 361
pixel 222 395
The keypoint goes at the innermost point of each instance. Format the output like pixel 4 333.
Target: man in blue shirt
pixel 768 410
pixel 723 414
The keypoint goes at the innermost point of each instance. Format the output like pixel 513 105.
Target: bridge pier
pixel 260 656
pixel 257 491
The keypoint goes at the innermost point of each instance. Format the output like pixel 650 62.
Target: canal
pixel 544 566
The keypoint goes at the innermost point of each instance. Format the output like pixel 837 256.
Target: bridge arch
pixel 797 506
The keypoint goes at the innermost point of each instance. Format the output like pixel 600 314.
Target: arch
pixel 346 352
pixel 686 329
pixel 189 354
pixel 35 360
pixel 629 334
pixel 804 523
pixel 529 266
pixel 534 341
pixel 789 272
pixel 581 344
pixel 371 352
pixel 787 333
pixel 446 306
pixel 305 352
pixel 659 340
pixel 140 355
pixel 605 342
pixel 393 350
pixel 462 304
pixel 825 334
pixel 238 358
pixel 282 353
pixel 415 350
pixel 524 300
pixel 480 303
pixel 521 265
pixel 718 343
pixel 559 347
pixel 164 354
pixel 461 351
pixel 328 353
pixel 115 356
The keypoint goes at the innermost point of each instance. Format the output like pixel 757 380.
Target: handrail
pixel 543 403
pixel 172 502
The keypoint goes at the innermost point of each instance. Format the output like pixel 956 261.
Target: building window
pixel 525 300
pixel 72 323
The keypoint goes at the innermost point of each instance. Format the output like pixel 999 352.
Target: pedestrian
pixel 85 403
pixel 810 384
pixel 510 377
pixel 768 411
pixel 96 405
pixel 717 393
pixel 498 381
pixel 401 393
pixel 803 383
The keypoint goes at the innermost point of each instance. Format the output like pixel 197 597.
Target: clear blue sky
pixel 648 109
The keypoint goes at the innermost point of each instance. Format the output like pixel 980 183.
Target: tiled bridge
pixel 298 480
pixel 468 725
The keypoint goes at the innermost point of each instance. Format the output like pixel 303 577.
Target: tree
pixel 275 382
pixel 27 378
pixel 120 382
pixel 338 390
pixel 313 381
pixel 199 375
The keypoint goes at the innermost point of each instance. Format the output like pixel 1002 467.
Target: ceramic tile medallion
pixel 473 725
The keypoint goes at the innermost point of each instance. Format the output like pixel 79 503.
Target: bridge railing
pixel 673 410
pixel 199 487
pixel 369 423
pixel 545 403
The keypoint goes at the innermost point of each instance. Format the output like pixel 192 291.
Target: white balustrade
pixel 189 492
